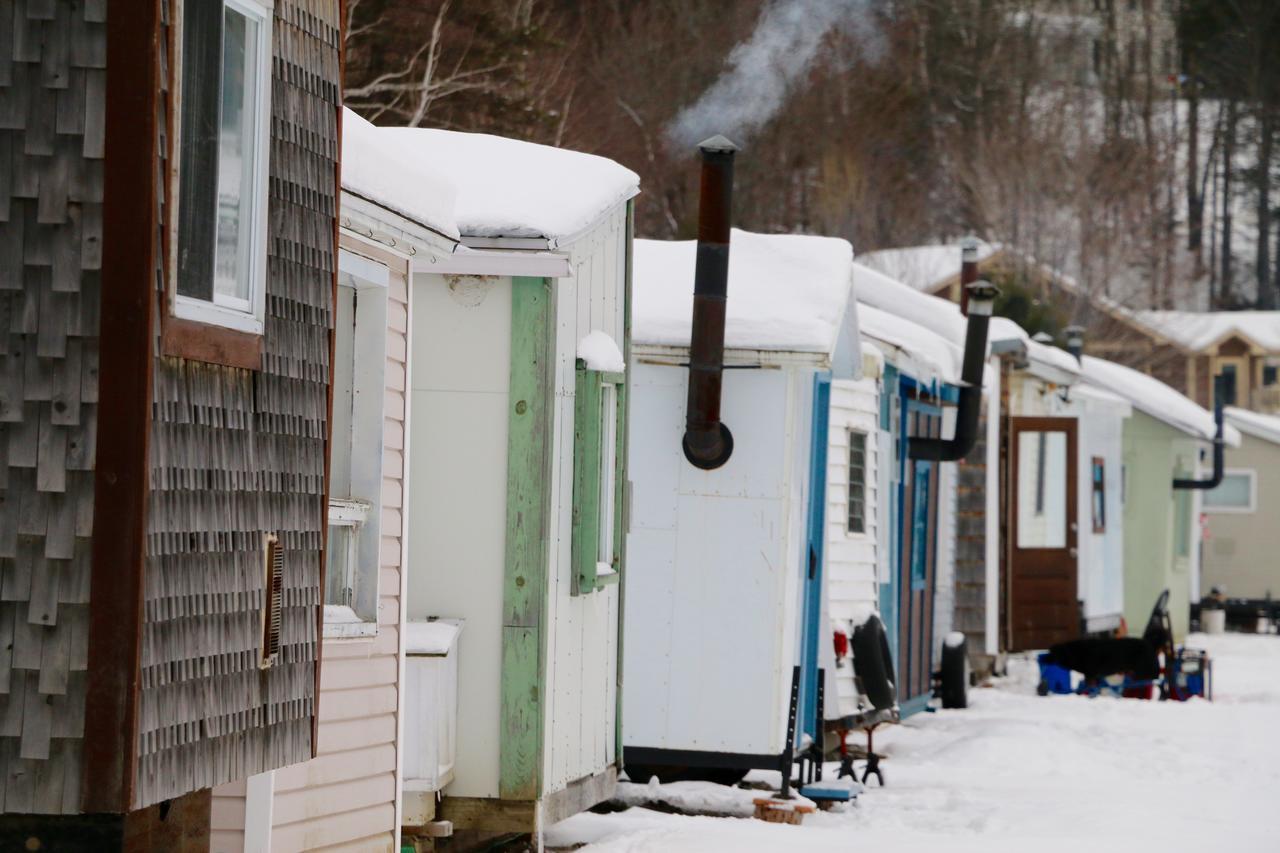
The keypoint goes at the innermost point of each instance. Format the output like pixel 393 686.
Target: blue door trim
pixel 812 560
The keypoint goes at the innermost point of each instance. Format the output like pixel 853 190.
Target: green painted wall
pixel 528 528
pixel 1158 522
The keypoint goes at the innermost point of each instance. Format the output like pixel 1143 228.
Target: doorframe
pixel 1040 423
pixel 814 556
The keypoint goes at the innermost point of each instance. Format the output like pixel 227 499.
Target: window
pixel 1270 374
pixel 1182 523
pixel 355 470
pixel 1229 381
pixel 920 523
pixel 1042 489
pixel 1238 492
pixel 597 479
pixel 1098 477
pixel 857 522
pixel 222 179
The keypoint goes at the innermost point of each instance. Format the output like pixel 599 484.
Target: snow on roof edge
pixel 376 169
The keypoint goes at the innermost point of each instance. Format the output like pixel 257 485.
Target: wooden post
pixel 130 227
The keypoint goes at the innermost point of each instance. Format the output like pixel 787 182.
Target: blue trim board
pixel 814 557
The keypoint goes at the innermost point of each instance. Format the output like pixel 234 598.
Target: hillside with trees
pixel 1128 143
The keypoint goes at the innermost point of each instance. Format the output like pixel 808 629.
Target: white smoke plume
pixel 761 71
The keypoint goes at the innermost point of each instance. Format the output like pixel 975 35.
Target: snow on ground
pixel 1017 772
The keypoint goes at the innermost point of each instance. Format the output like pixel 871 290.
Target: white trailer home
pixel 517 401
pixel 1063 562
pixel 923 339
pixel 723 632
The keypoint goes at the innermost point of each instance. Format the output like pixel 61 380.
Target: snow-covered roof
pixel 943 317
pixel 787 292
pixel 1155 398
pixel 1004 329
pixel 879 290
pixel 380 168
pixel 932 356
pixel 922 267
pixel 1256 424
pixel 1197 331
pixel 514 189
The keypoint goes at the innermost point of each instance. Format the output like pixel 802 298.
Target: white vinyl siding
pixel 582 634
pixel 851 557
pixel 346 796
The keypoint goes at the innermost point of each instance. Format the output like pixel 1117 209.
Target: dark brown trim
pixel 213 344
pixel 130 221
pixel 333 342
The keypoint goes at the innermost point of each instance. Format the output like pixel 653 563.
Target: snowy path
pixel 1017 772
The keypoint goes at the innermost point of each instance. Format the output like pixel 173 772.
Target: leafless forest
pixel 1128 143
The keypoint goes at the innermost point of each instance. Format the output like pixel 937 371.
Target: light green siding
pixel 1158 521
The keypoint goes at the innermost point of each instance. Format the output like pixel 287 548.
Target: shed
pixel 1163 440
pixel 724 629
pixel 518 389
pixel 164 409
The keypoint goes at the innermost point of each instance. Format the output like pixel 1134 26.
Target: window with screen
pixel 355 447
pixel 222 178
pixel 857 520
pixel 598 481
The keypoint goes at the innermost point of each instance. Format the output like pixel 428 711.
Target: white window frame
pixel 1252 476
pixel 608 480
pixel 850 432
pixel 242 315
pixel 362 510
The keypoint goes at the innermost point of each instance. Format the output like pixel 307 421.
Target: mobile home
pixel 517 396
pixel 724 632
pixel 1163 440
pixel 1239 550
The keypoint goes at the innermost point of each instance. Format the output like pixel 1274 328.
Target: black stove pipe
pixel 980 303
pixel 707 443
pixel 1219 441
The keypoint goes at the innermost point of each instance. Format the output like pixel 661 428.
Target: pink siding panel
pixel 345 799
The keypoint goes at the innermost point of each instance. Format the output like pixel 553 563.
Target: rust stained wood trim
pixel 333 344
pixel 125 371
pixel 213 344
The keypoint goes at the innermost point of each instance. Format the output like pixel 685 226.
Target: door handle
pixel 1074 552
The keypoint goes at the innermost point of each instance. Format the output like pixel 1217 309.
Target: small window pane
pixel 857 522
pixel 340 571
pixel 198 173
pixel 1042 489
pixel 1099 480
pixel 343 395
pixel 236 160
pixel 1235 492
pixel 1229 380
pixel 608 463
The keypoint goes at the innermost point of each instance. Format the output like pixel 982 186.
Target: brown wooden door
pixel 1043 590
